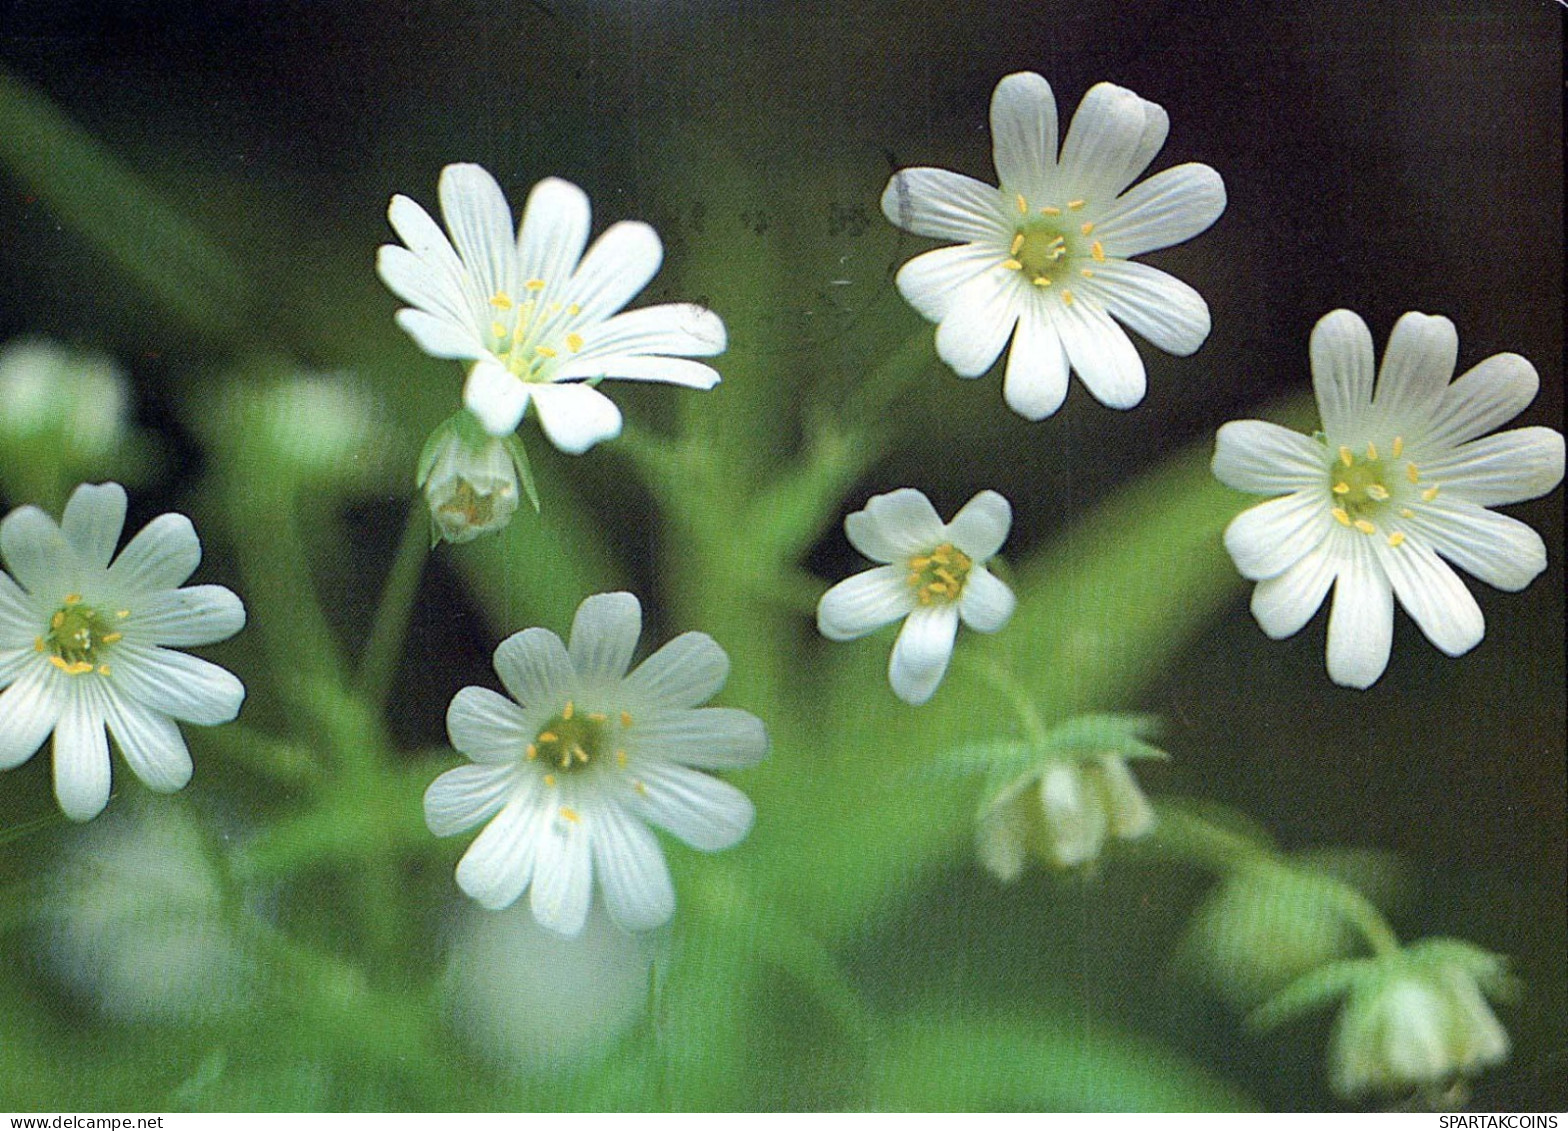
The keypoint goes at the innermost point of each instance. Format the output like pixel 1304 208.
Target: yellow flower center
pixel 529 334
pixel 80 637
pixel 938 577
pixel 1371 490
pixel 1050 246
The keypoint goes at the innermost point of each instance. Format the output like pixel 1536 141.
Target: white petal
pixel 604 636
pixel 441 337
pixel 864 603
pixel 180 618
pixel 1130 813
pixel 181 686
pixel 1158 306
pixel 576 417
pixel 1418 363
pixel 706 813
pixel 1103 355
pixel 1266 459
pixel 563 874
pixel 1361 622
pixel 921 653
pixel 35 551
pixel 978 322
pixel 1500 550
pixel 930 281
pixel 1164 210
pixel 896 525
pixel 980 528
pixel 496 397
pixel 1342 361
pixel 987 603
pixel 13 660
pixel 945 206
pixel 81 758
pixel 477 215
pixel 1273 536
pixel 459 799
pixel 1023 134
pixel 686 672
pixel 29 710
pixel 425 239
pixel 488 727
pixel 669 370
pixel 1495 471
pixel 534 666
pixel 632 872
pixel 1486 397
pixel 1000 835
pixel 19 622
pixel 500 863
pixel 1105 148
pixel 679 329
pixel 162 555
pixel 554 232
pixel 413 279
pixel 1036 382
pixel 1283 604
pixel 711 738
pixel 1074 821
pixel 93 519
pixel 619 265
pixel 150 742
pixel 1432 593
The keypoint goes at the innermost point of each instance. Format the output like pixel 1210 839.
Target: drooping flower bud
pixel 471 479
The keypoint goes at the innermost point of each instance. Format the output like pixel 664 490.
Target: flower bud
pixel 470 479
pixel 1062 811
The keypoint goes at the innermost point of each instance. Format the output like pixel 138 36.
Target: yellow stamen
pixel 1396 539
pixel 123 613
pixel 531 752
pixel 597 716
pixel 640 788
pixel 1023 205
pixel 1341 516
pixel 1086 227
pixel 569 710
pixel 501 300
pixel 1012 265
pixel 1086 273
pixel 1097 249
pixel 535 284
pixel 103 669
pixel 1429 494
pixel 112 637
pixel 573 309
pixel 1399 446
pixel 620 758
pixel 57 620
pixel 1076 204
pixel 544 351
pixel 1406 512
pixel 580 754
pixel 1341 488
pixel 39 645
pixel 73 598
pixel 549 736
pixel 1018 242
pixel 1067 298
pixel 1050 210
pixel 549 779
pixel 570 814
pixel 1371 450
pixel 1411 473
pixel 1344 455
pixel 626 718
pixel 574 342
pixel 1365 527
pixel 1041 281
pixel 497 330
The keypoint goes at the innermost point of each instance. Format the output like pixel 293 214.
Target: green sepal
pixel 1311 992
pixel 1489 970
pixel 525 472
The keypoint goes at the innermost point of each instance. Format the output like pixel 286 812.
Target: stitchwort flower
pixel 86 642
pixel 1398 480
pixel 934 576
pixel 471 479
pixel 534 314
pixel 1045 259
pixel 567 774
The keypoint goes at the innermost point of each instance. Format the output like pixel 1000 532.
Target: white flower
pixel 568 773
pixel 1062 810
pixel 539 325
pixel 1049 251
pixel 1423 1026
pixel 76 399
pixel 84 643
pixel 935 575
pixel 1395 483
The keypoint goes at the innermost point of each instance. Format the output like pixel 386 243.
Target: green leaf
pixel 111 207
pixel 1040 1062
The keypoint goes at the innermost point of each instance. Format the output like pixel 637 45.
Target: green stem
pixel 887 382
pixel 996 674
pixel 374 679
pixel 1223 850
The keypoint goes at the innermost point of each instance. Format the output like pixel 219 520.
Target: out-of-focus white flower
pixel 1397 482
pixel 1046 258
pixel 1062 811
pixel 935 575
pixel 567 774
pixel 135 920
pixel 470 479
pixel 77 399
pixel 529 999
pixel 535 315
pixel 86 644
